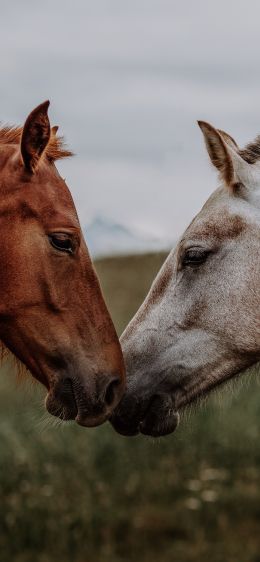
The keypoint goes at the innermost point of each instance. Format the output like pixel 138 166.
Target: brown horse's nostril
pixel 61 400
pixel 111 391
pixel 89 406
pixel 67 397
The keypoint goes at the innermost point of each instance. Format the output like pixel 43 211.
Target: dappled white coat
pixel 200 323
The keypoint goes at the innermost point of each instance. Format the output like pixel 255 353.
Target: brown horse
pixel 52 314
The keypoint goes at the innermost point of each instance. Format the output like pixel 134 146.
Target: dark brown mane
pixel 251 152
pixel 56 149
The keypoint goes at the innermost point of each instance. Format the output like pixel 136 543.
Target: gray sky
pixel 127 80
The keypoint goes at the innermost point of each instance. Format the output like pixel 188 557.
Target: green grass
pixel 75 495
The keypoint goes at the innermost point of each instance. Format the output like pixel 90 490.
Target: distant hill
pixel 106 238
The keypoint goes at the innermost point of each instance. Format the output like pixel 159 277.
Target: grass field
pixel 74 495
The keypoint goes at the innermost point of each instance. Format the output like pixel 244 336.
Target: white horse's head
pixel 200 323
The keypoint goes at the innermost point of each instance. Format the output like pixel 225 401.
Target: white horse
pixel 199 324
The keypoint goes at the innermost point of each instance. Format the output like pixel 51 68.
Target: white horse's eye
pixel 195 256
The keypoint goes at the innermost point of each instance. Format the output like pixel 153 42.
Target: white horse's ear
pixel 223 152
pixel 228 139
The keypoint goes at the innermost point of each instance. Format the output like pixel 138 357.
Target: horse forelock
pixel 56 148
pixel 251 152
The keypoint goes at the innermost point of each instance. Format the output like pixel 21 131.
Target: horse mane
pixel 56 148
pixel 251 152
pixel 6 356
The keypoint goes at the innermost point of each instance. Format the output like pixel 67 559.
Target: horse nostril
pixel 66 394
pixel 111 391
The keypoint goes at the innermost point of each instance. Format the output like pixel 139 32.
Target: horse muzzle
pixel 90 406
pixel 155 417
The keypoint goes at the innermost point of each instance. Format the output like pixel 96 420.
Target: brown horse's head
pixel 52 313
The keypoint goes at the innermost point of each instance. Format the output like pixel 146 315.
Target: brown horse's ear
pixel 54 130
pixel 35 136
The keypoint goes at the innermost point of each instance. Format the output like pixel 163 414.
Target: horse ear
pixel 218 151
pixel 228 139
pixel 224 155
pixel 35 136
pixel 54 130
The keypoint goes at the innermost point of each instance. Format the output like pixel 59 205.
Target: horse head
pixel 199 325
pixel 52 313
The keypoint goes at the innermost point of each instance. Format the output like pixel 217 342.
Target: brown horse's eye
pixel 61 242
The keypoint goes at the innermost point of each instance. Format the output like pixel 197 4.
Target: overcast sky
pixel 127 80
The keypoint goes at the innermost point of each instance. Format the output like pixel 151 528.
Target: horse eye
pixel 61 242
pixel 195 256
